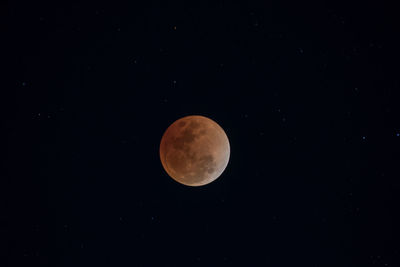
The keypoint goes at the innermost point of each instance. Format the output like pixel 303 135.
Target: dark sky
pixel 308 95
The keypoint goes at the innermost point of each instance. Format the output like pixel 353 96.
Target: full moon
pixel 194 150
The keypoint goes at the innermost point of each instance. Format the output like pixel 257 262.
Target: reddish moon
pixel 194 150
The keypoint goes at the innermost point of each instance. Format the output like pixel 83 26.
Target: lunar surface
pixel 194 150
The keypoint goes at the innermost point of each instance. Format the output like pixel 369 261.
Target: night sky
pixel 308 95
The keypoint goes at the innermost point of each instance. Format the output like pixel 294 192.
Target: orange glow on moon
pixel 194 150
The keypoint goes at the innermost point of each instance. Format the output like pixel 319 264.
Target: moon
pixel 194 150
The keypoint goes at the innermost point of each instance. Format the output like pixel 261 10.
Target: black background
pixel 308 95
